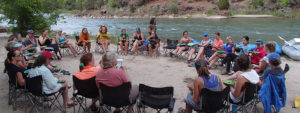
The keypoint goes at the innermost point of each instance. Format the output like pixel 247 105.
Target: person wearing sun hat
pixel 50 83
pixel 275 69
pixel 256 57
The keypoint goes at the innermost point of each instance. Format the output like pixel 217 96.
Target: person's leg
pixel 156 50
pixel 192 51
pixel 126 47
pixel 200 53
pixel 73 47
pixel 106 44
pixel 70 47
pixel 89 47
pixel 180 50
pixel 121 47
pixel 150 50
pixel 134 92
pixel 188 109
pixel 65 96
pixel 134 45
pixel 213 61
pixel 84 47
pixel 213 56
pixel 175 51
pixel 103 46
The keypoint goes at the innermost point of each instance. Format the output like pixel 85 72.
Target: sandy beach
pixel 160 72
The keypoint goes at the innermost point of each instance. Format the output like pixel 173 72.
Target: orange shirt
pixel 83 37
pixel 87 72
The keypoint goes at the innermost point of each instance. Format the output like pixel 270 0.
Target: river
pixel 263 28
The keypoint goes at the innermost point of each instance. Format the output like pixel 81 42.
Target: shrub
pixel 257 3
pixel 140 2
pixel 284 2
pixel 174 7
pixel 223 4
pixel 131 9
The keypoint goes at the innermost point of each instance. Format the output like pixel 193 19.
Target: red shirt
pixel 255 58
pixel 112 77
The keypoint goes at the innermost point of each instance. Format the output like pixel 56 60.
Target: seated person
pixel 244 75
pixel 256 57
pixel 217 45
pixel 154 43
pixel 84 39
pixel 275 69
pixel 12 67
pixel 204 80
pixel 103 38
pixel 87 71
pixel 246 47
pixel 124 41
pixel 185 40
pixel 45 41
pixel 270 47
pixel 30 41
pixel 112 77
pixel 22 63
pixel 203 45
pixel 63 41
pixel 138 39
pixel 229 48
pixel 50 83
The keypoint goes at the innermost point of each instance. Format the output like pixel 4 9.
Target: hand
pixel 123 68
pixel 191 87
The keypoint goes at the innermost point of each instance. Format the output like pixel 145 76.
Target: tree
pixel 223 4
pixel 28 14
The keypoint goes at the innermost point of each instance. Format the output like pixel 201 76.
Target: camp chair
pixel 117 97
pixel 156 98
pixel 249 99
pixel 130 45
pixel 14 90
pixel 171 46
pixel 79 47
pixel 213 101
pixel 36 96
pixel 64 50
pixel 84 89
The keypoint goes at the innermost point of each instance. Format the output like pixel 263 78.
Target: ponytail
pixel 202 68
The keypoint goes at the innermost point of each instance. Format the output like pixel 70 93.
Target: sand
pixel 160 72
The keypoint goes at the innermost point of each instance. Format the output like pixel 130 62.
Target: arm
pixel 42 40
pixel 240 82
pixel 197 89
pixel 223 86
pixel 50 80
pixel 206 44
pixel 98 36
pixel 56 40
pixel 262 65
pixel 20 78
pixel 234 76
pixel 233 49
pixel 149 38
pixel 80 39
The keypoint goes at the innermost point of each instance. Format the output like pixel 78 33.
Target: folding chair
pixel 128 49
pixel 156 98
pixel 84 89
pixel 14 90
pixel 64 49
pixel 37 97
pixel 171 46
pixel 98 47
pixel 79 47
pixel 214 101
pixel 249 99
pixel 117 97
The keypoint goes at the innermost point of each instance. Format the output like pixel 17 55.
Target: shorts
pixel 209 52
pixel 56 89
pixel 189 101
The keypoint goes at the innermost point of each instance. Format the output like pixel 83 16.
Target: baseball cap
pixel 273 56
pixel 205 34
pixel 30 31
pixel 47 54
pixel 17 45
pixel 259 41
pixel 138 29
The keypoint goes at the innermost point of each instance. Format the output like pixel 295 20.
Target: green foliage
pixel 140 2
pixel 257 3
pixel 28 14
pixel 223 4
pixel 211 12
pixel 117 3
pixel 131 9
pixel 284 2
pixel 174 7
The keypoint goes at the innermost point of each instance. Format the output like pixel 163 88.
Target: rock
pixel 270 6
pixel 236 6
pixel 190 1
pixel 179 3
pixel 213 1
pixel 189 7
pixel 200 8
pixel 103 11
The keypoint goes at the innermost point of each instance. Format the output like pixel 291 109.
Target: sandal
pixel 181 110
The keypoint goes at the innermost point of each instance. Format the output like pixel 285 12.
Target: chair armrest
pixel 171 105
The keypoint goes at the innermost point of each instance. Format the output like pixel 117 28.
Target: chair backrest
pixel 86 88
pixel 116 96
pixel 213 101
pixel 249 92
pixel 172 43
pixel 157 98
pixel 77 38
pixel 11 77
pixel 286 68
pixel 35 85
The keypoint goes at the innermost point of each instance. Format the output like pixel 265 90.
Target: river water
pixel 263 28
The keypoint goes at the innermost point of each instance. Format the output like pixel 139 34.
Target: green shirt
pixel 126 36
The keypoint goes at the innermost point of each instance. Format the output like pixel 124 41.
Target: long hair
pixel 184 32
pixel 271 46
pixel 243 62
pixel 83 30
pixel 8 59
pixel 39 61
pixel 85 59
pixel 152 21
pixel 202 69
pixel 105 29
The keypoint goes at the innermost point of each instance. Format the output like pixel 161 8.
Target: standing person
pixel 154 43
pixel 30 41
pixel 62 40
pixel 199 48
pixel 229 48
pixel 45 41
pixel 152 25
pixel 50 83
pixel 205 79
pixel 138 39
pixel 185 40
pixel 112 77
pixel 103 38
pixel 255 57
pixel 84 39
pixel 124 41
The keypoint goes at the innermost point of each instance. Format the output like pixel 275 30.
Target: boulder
pixel 200 8
pixel 189 7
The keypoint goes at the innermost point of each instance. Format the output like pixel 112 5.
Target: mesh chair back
pixel 249 93
pixel 77 38
pixel 11 77
pixel 213 101
pixel 34 85
pixel 86 88
pixel 116 96
pixel 172 44
pixel 157 98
